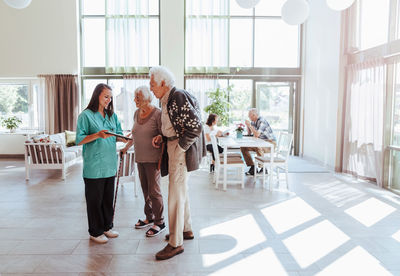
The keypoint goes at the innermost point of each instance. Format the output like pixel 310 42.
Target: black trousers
pixel 210 149
pixel 99 193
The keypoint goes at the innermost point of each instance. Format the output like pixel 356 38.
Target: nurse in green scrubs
pixel 99 161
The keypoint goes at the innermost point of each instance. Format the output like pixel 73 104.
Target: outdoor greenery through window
pixel 22 100
pixel 273 101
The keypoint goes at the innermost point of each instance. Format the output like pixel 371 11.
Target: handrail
pixel 396 148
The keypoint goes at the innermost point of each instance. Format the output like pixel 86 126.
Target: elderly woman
pixel 147 124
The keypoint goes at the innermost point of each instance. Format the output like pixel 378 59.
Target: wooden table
pixel 230 142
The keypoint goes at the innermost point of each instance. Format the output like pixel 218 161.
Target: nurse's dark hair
pixel 94 101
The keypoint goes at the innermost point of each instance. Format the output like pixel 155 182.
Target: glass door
pixel 275 102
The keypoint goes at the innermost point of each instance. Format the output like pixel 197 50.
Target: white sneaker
pixel 111 234
pixel 99 239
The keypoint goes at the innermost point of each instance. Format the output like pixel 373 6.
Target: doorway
pixel 276 103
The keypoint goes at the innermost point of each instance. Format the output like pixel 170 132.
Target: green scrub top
pixel 100 155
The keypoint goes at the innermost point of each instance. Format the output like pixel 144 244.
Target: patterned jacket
pixel 184 113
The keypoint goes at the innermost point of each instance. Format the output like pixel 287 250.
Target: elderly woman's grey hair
pixel 253 111
pixel 145 91
pixel 161 73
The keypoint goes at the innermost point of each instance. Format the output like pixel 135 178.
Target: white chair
pixel 280 160
pixel 233 161
pixel 129 169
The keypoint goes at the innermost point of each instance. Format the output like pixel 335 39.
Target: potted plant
pixel 239 130
pixel 11 123
pixel 219 104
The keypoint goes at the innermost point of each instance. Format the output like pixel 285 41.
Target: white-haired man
pixel 260 128
pixel 183 133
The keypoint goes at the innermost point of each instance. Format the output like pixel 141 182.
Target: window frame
pixel 30 82
pixel 96 71
pixel 292 76
pixel 258 70
pixel 390 52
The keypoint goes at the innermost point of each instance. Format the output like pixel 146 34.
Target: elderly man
pixel 182 130
pixel 260 128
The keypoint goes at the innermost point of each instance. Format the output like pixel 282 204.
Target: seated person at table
pixel 211 129
pixel 260 128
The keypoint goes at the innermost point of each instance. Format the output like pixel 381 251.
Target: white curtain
pixel 207 36
pixel 199 86
pixel 127 36
pixel 363 145
pixel 125 104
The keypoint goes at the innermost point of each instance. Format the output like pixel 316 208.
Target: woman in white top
pixel 211 129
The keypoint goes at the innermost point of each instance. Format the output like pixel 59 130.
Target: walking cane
pixel 121 158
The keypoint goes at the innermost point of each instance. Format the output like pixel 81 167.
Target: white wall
pixel 321 83
pixel 40 39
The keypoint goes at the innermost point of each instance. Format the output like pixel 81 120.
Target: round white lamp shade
pixel 339 5
pixel 247 4
pixel 18 4
pixel 295 12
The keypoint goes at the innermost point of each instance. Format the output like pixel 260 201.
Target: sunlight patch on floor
pixel 370 211
pixel 356 262
pixel 244 230
pixel 264 262
pixel 396 236
pixel 337 193
pixel 289 214
pixel 315 242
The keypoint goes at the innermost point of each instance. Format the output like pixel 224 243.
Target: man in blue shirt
pixel 260 128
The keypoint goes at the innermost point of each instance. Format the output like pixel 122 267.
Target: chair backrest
pixel 284 145
pixel 215 149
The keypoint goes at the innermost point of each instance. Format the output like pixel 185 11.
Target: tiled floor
pixel 325 225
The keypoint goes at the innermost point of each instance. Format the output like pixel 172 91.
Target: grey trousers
pixel 178 199
pixel 150 181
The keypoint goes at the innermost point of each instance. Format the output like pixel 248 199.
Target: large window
pixel 119 43
pixel 221 35
pixel 394 148
pixel 372 26
pixel 274 99
pixel 373 39
pixel 23 99
pixel 119 36
pixel 123 95
pixel 239 96
pixel 248 50
pixel 240 99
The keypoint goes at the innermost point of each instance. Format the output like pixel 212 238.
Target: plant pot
pixel 239 134
pixel 12 130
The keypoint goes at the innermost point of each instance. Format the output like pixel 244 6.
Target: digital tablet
pixel 118 135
